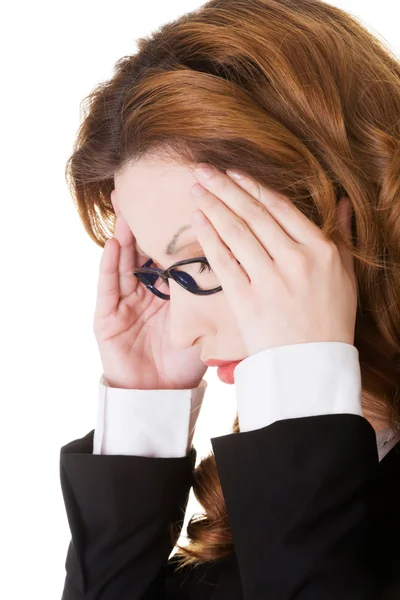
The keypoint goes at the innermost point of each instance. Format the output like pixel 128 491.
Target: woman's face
pixel 154 198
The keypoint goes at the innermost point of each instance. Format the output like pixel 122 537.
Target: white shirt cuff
pixel 154 423
pixel 297 380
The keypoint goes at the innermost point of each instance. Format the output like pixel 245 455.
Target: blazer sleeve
pixel 299 492
pixel 299 497
pixel 120 511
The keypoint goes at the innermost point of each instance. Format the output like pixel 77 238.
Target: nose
pixel 186 321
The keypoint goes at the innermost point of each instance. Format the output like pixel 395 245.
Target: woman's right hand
pixel 131 324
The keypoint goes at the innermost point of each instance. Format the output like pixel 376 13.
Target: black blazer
pixel 313 513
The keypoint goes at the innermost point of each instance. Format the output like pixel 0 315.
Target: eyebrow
pixel 170 248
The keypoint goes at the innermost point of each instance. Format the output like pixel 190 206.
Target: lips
pixel 211 362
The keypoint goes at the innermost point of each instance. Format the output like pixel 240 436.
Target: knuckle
pixel 256 210
pixel 327 249
pixel 238 228
pixel 278 203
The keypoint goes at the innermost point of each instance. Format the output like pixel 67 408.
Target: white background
pixel 52 55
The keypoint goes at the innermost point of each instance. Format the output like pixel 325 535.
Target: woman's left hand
pixel 293 285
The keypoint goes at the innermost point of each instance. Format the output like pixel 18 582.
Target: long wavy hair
pixel 305 100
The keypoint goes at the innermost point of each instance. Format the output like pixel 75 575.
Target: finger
pixel 272 237
pixel 232 278
pixel 128 257
pixel 290 219
pixel 238 237
pixel 127 260
pixel 122 231
pixel 108 292
pixel 295 224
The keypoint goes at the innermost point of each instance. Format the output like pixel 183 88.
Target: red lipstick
pixel 211 362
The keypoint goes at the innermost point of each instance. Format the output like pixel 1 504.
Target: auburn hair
pixel 303 99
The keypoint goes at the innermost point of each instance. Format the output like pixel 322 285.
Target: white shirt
pixel 285 382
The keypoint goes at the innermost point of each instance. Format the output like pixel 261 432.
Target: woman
pixel 293 278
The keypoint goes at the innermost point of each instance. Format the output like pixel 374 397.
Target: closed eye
pixel 204 266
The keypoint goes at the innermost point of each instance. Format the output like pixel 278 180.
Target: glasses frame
pixel 166 274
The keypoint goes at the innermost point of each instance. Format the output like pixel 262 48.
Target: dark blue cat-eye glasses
pixel 152 277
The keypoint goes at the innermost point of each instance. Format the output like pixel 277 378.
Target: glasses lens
pixel 196 275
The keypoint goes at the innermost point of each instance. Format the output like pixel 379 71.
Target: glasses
pixel 194 275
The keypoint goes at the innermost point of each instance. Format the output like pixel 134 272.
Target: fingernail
pixel 234 174
pixel 204 172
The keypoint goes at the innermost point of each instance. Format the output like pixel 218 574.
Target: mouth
pixel 221 363
pixel 226 373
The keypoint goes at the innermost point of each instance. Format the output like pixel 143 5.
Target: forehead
pixel 154 197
